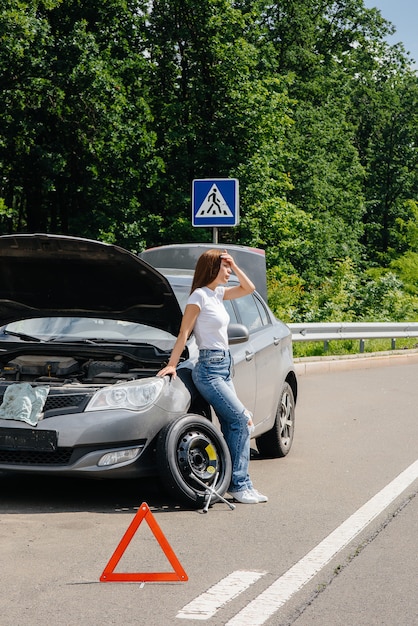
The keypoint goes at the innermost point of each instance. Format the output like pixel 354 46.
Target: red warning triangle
pixel 109 575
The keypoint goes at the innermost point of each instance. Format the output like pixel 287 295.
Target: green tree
pixel 313 41
pixel 216 114
pixel 387 135
pixel 77 142
pixel 352 147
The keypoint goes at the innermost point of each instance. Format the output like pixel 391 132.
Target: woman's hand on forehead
pixel 226 257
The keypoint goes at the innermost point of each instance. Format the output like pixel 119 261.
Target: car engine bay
pixel 81 368
pixel 66 369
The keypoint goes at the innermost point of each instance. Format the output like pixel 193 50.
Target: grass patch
pixel 350 346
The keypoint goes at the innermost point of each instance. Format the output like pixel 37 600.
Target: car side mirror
pixel 237 333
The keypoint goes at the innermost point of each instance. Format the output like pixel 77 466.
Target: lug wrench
pixel 211 491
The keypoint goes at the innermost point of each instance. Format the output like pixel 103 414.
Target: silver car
pixel 85 327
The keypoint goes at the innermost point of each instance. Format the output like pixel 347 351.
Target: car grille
pixel 73 403
pixel 58 402
pixel 61 456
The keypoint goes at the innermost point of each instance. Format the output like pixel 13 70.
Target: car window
pixel 262 310
pixel 231 311
pixel 249 313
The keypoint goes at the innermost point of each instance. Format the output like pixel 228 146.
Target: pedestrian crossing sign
pixel 215 202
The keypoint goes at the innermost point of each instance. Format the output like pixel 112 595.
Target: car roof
pixel 185 256
pixel 45 275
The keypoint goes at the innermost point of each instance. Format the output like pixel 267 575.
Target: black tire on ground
pixel 191 446
pixel 278 440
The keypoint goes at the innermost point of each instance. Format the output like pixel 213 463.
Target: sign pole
pixel 215 234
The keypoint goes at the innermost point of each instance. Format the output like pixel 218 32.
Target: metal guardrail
pixel 329 331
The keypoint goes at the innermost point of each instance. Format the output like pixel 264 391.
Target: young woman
pixel 206 315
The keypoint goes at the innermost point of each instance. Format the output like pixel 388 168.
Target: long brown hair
pixel 207 268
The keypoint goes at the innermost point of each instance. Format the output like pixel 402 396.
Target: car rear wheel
pixel 191 449
pixel 278 440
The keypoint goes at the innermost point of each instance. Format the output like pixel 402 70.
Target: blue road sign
pixel 215 202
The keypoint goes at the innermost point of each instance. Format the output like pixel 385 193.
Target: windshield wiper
pixel 65 339
pixel 22 336
pixel 92 340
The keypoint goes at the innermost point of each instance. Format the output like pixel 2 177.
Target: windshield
pixel 56 328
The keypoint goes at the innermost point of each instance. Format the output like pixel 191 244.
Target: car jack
pixel 210 491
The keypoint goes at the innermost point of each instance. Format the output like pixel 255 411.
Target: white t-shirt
pixel 212 322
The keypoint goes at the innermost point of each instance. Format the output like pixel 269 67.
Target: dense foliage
pixel 110 108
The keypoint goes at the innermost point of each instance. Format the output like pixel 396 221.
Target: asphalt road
pixel 337 543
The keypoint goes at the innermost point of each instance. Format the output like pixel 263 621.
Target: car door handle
pixel 249 356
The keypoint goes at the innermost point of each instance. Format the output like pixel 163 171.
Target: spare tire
pixel 191 448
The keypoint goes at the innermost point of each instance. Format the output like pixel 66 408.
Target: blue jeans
pixel 212 377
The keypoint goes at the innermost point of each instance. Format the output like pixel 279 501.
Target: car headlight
pixel 134 396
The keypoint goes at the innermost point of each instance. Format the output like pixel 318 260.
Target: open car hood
pixel 44 275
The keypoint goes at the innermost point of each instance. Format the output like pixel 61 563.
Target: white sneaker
pixel 259 496
pixel 247 496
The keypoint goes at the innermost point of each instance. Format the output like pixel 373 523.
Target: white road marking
pixel 206 605
pixel 267 603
